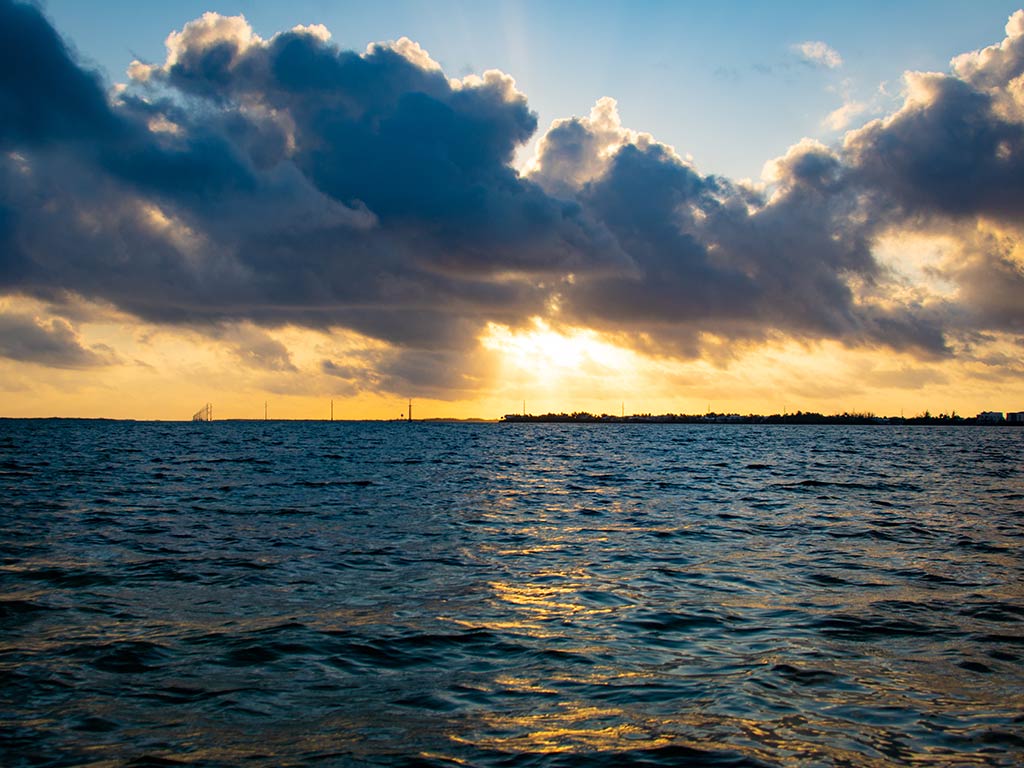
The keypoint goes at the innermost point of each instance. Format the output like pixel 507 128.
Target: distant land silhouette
pixel 799 417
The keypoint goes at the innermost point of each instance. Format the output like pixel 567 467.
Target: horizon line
pixel 711 417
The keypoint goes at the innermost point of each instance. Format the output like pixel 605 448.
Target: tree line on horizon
pixel 798 417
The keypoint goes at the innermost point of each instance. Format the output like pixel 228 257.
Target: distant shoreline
pixel 798 418
pixel 735 418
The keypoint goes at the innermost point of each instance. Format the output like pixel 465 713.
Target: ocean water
pixel 271 594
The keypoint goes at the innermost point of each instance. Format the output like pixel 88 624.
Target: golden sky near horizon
pixel 164 373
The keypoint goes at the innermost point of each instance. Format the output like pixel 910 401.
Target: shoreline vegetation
pixel 799 417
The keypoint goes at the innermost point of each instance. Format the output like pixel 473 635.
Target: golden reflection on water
pixel 790 740
pixel 523 685
pixel 551 594
pixel 543 601
pixel 574 727
pixel 538 607
pixel 551 598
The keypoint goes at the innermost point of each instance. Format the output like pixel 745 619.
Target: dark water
pixel 510 595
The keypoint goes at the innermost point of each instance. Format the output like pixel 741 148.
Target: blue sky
pixel 718 81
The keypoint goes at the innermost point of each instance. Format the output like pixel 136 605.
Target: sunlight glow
pixel 568 365
pixel 549 354
pixel 919 259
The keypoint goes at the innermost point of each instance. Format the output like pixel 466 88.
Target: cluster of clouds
pixel 256 183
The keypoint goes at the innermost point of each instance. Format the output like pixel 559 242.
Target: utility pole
pixel 332 410
pixel 410 409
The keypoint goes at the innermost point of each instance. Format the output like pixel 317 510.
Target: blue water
pixel 432 594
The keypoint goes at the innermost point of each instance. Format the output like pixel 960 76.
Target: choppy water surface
pixel 498 595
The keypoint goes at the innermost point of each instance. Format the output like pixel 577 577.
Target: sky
pixel 484 207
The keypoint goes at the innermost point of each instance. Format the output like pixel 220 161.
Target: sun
pixel 561 367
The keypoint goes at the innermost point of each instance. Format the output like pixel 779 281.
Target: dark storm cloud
pixel 424 156
pixel 707 261
pixel 287 181
pixel 429 373
pixel 13 262
pixel 956 148
pixel 48 100
pixel 950 153
pixel 52 342
pixel 292 182
pixel 44 95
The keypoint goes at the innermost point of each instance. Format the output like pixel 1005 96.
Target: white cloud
pixel 202 34
pixel 208 31
pixel 997 70
pixel 576 150
pixel 999 62
pixel 819 53
pixel 408 49
pixel 319 31
pixel 841 118
pixel 779 170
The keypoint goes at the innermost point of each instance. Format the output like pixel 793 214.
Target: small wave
pixel 240 460
pixel 804 676
pixel 329 483
pixel 19 611
pixel 868 628
pixel 162 569
pixel 670 756
pixel 995 611
pixel 249 654
pixel 94 725
pixel 672 622
pixel 66 578
pixel 605 598
pixel 155 761
pixel 124 657
pixel 979 546
pixel 827 580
